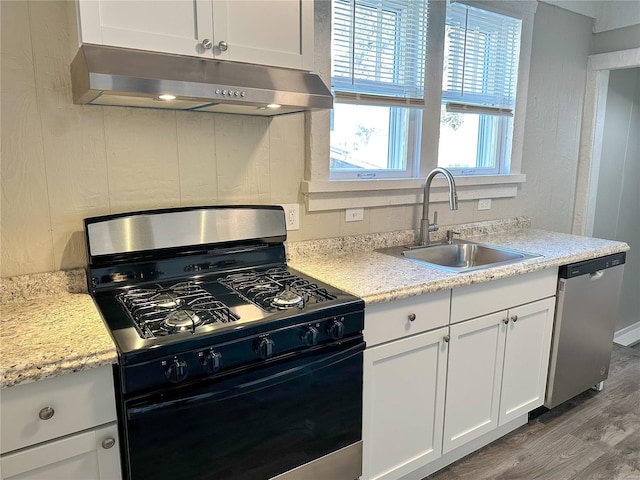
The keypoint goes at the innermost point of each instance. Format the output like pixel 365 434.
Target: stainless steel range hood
pixel 136 78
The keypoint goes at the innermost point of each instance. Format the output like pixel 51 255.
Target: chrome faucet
pixel 425 225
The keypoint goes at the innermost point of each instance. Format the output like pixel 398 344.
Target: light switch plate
pixel 484 204
pixel 354 215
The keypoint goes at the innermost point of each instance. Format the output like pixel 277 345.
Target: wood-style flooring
pixel 594 436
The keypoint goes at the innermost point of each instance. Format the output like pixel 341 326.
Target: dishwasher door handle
pixel 596 275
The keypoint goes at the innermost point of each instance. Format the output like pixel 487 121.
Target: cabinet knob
pixel 108 442
pixel 505 321
pixel 206 44
pixel 412 317
pixel 514 319
pixel 46 413
pixel 446 338
pixel 223 46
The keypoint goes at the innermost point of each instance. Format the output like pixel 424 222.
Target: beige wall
pixel 63 162
pixel 554 117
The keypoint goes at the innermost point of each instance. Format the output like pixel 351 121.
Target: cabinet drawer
pixel 79 401
pixel 483 298
pixel 388 321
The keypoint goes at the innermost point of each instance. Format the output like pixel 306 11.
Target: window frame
pixel 322 194
pixel 391 96
pixel 495 131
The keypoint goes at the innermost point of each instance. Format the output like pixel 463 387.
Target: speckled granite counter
pixel 377 277
pixel 46 330
pixel 64 333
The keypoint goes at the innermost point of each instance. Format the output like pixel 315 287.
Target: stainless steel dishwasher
pixel 586 311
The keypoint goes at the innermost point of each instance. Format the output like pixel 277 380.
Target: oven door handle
pixel 242 384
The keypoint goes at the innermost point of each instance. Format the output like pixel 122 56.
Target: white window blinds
pixel 481 61
pixel 378 50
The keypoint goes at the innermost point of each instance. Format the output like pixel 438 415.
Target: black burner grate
pixel 179 308
pixel 276 289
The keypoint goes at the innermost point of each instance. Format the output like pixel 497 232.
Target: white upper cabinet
pixel 175 26
pixel 269 32
pixel 278 32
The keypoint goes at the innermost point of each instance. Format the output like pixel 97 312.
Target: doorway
pixel 607 197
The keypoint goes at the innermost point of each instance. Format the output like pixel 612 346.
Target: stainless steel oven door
pixel 254 425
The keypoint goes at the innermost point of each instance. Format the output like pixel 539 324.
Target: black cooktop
pixel 237 312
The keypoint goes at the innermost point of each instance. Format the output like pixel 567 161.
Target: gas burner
pixel 182 307
pixel 287 299
pixel 276 288
pixel 180 321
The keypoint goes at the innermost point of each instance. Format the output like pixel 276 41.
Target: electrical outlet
pixel 292 216
pixel 484 204
pixel 354 215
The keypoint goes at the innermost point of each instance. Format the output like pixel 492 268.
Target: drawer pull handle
pixel 107 443
pixel 446 338
pixel 505 321
pixel 46 413
pixel 514 319
pixel 412 317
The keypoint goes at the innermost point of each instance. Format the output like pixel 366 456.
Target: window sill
pixel 341 194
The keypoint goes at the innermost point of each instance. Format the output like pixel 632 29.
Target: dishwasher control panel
pixel 592 266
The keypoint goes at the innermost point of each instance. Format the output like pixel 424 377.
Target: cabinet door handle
pixel 412 317
pixel 206 44
pixel 446 338
pixel 46 413
pixel 506 321
pixel 514 319
pixel 223 46
pixel 108 442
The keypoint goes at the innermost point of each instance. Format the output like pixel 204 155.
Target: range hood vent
pixel 136 78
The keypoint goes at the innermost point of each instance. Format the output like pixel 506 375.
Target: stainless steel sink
pixel 461 256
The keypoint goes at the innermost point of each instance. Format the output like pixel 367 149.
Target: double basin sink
pixel 460 256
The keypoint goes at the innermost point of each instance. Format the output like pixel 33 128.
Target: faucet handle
pixel 433 227
pixel 450 235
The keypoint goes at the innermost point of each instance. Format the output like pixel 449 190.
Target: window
pixel 398 114
pixel 480 74
pixel 378 60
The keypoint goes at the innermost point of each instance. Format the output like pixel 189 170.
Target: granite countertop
pixel 50 326
pixel 47 330
pixel 377 277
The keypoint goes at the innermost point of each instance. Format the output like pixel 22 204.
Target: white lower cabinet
pixel 91 455
pixel 497 370
pixel 403 404
pixel 61 428
pixel 526 358
pixel 450 371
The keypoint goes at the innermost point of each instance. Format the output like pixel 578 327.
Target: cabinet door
pixel 172 26
pixel 476 353
pixel 91 455
pixel 526 358
pixel 270 32
pixel 403 404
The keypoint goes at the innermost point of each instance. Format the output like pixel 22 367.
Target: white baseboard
pixel 628 335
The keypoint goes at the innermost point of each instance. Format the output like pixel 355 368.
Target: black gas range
pixel 207 317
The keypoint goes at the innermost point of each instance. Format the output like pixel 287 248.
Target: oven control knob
pixel 264 349
pixel 211 361
pixel 176 370
pixel 336 329
pixel 310 336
